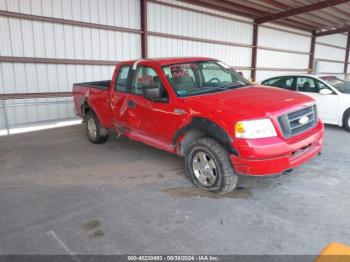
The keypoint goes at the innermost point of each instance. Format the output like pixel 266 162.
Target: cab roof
pixel 162 61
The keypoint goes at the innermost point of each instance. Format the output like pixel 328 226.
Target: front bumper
pixel 272 156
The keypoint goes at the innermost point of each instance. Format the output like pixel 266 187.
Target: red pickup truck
pixel 203 110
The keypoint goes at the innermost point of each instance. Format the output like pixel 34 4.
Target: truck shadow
pixel 194 192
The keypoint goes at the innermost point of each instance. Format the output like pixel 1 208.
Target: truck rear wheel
pixel 95 132
pixel 209 167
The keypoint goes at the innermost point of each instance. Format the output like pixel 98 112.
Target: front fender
pixel 210 128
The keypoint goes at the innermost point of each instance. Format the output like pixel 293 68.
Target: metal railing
pixel 5 97
pixel 7 126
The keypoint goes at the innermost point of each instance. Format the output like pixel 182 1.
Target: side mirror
pixel 325 91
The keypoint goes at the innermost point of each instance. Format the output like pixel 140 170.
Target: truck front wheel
pixel 95 132
pixel 209 167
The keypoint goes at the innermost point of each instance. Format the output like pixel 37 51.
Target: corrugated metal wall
pixel 232 29
pixel 330 53
pixel 198 25
pixel 292 56
pixel 26 38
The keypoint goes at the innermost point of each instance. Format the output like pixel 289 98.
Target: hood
pixel 251 101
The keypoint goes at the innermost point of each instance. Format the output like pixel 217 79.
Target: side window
pixel 121 83
pixel 181 77
pixel 322 86
pixel 146 76
pixel 285 82
pixel 307 84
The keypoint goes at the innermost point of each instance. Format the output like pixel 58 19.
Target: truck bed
pixel 104 84
pixel 97 95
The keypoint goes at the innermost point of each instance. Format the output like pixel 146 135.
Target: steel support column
pixel 254 52
pixel 312 52
pixel 144 36
pixel 346 61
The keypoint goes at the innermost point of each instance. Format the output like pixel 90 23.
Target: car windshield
pixel 202 77
pixel 341 85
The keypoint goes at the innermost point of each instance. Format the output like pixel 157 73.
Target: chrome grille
pixel 299 121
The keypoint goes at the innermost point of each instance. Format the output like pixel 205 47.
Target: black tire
pixel 225 177
pixel 100 135
pixel 346 120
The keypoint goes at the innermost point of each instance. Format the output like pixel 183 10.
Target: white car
pixel 331 93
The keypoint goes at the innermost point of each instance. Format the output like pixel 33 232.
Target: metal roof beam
pixel 299 10
pixel 334 31
pixel 272 4
pixel 313 23
pixel 211 5
pixel 297 24
pixel 252 12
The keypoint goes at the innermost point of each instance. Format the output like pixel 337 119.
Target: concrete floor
pixel 60 193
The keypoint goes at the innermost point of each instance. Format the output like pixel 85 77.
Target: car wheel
pixel 95 132
pixel 209 167
pixel 346 120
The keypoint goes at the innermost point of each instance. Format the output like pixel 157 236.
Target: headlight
pixel 260 128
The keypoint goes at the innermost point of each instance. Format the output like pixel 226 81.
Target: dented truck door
pixel 119 94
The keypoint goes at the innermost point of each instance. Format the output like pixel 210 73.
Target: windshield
pixel 341 85
pixel 202 77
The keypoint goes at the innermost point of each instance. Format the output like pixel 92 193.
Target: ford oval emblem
pixel 303 120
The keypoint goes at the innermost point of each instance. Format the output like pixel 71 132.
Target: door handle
pixel 179 111
pixel 131 104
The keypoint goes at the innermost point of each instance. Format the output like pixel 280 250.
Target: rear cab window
pixel 122 78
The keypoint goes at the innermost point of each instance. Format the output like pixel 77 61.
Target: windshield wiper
pixel 235 85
